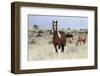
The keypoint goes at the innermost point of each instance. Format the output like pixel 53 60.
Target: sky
pixel 64 22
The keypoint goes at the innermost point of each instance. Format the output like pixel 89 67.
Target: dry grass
pixel 43 49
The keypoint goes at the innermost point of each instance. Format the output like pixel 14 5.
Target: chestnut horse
pixel 81 39
pixel 59 37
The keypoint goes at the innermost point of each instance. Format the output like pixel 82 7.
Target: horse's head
pixel 55 24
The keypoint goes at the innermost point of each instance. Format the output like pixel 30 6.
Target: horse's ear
pixel 56 22
pixel 56 25
pixel 53 26
pixel 53 21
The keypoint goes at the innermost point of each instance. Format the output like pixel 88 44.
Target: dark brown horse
pixel 70 37
pixel 59 37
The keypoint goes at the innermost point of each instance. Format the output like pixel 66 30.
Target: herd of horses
pixel 59 38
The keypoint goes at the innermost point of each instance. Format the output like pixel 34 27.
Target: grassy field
pixel 40 47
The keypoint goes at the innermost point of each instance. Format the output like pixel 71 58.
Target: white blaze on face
pixel 59 35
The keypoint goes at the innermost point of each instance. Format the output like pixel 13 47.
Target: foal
pixel 81 38
pixel 59 37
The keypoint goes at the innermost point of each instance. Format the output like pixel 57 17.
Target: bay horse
pixel 69 36
pixel 59 37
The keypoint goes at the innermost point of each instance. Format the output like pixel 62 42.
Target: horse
pixel 59 37
pixel 70 37
pixel 81 38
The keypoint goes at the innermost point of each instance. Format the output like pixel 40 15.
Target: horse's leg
pixel 77 42
pixel 59 46
pixel 84 41
pixel 72 38
pixel 62 49
pixel 56 48
pixel 80 42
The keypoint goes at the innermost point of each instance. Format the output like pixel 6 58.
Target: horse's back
pixel 62 33
pixel 69 35
pixel 63 37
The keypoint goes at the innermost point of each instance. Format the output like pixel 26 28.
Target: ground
pixel 41 48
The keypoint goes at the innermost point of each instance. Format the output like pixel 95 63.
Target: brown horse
pixel 59 37
pixel 69 37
